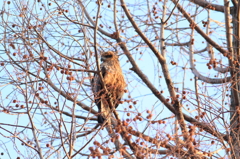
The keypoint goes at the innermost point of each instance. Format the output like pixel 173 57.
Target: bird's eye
pixel 108 56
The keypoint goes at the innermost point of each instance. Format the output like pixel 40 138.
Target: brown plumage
pixel 114 81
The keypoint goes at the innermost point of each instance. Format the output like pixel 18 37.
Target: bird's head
pixel 109 55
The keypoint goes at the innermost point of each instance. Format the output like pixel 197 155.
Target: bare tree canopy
pixel 180 60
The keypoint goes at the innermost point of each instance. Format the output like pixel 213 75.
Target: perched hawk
pixel 114 82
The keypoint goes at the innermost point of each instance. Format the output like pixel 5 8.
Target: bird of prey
pixel 114 81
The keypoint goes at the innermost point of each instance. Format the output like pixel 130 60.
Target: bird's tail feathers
pixel 100 119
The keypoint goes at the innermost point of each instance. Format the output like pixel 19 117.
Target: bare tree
pixel 180 60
